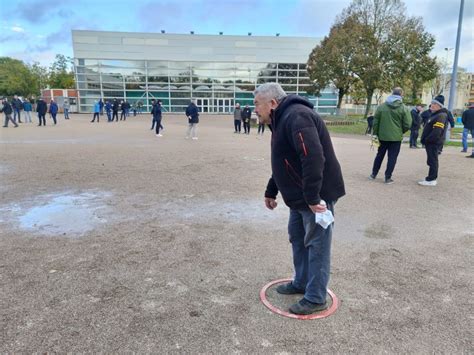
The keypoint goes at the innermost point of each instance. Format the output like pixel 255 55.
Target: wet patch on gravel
pixel 64 214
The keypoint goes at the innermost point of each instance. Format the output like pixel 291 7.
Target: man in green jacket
pixel 392 119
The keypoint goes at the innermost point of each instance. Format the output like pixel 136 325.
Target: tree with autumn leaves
pixel 373 45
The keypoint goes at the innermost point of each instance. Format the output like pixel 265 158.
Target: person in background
pixel 28 108
pixel 123 113
pixel 41 109
pixel 370 124
pixel 468 122
pixel 192 112
pixel 101 106
pixel 96 111
pixel 246 114
pixel 108 110
pixel 66 107
pixel 237 118
pixel 415 125
pixel 53 110
pixel 156 112
pixel 17 106
pixel 115 109
pixel 261 126
pixel 7 110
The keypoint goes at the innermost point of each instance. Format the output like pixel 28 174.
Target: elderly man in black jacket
pixel 305 171
pixel 433 137
pixel 41 108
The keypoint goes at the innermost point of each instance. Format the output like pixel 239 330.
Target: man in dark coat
pixel 415 125
pixel 306 172
pixel 7 111
pixel 17 106
pixel 156 112
pixel 433 137
pixel 192 112
pixel 246 115
pixel 115 109
pixel 41 108
pixel 468 122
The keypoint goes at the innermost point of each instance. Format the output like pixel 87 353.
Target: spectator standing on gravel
pixel 66 108
pixel 108 110
pixel 156 112
pixel 391 120
pixel 261 127
pixel 246 114
pixel 101 106
pixel 432 137
pixel 115 109
pixel 28 108
pixel 53 110
pixel 7 110
pixel 123 113
pixel 17 106
pixel 415 125
pixel 305 171
pixel 237 118
pixel 370 123
pixel 468 122
pixel 192 112
pixel 96 111
pixel 41 109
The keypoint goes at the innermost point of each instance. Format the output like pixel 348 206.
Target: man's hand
pixel 270 203
pixel 318 208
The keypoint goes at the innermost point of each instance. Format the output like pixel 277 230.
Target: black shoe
pixel 389 181
pixel 470 156
pixel 306 307
pixel 372 177
pixel 288 289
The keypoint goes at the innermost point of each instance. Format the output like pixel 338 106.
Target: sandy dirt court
pixel 114 240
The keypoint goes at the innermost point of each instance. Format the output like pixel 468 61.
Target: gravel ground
pixel 114 240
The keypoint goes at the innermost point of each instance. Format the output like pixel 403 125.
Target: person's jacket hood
pixel 285 103
pixel 394 101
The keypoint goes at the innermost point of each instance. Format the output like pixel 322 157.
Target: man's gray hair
pixel 397 91
pixel 270 91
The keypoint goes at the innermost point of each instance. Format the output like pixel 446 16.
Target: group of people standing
pixel 392 120
pixel 244 116
pixel 12 111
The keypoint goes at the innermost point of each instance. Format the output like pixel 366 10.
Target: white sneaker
pixel 195 138
pixel 186 137
pixel 159 135
pixel 427 183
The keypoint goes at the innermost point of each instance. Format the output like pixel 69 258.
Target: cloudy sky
pixel 36 30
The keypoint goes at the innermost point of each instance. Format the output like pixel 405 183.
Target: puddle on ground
pixel 67 214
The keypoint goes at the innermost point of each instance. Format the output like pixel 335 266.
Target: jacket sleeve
pixel 464 117
pixel 272 189
pixel 305 140
pixel 406 124
pixel 451 119
pixel 377 116
pixel 438 130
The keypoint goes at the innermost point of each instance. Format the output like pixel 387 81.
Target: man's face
pixel 264 107
pixel 419 108
pixel 435 107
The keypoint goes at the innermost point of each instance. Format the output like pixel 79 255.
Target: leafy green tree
pixel 331 61
pixel 60 73
pixel 40 76
pixel 15 78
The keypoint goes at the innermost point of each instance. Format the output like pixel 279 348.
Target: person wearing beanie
pixel 468 122
pixel 450 120
pixel 433 137
pixel 391 121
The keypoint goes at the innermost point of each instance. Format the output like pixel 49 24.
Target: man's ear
pixel 274 103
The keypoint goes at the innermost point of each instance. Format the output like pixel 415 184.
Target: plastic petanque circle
pixel 317 315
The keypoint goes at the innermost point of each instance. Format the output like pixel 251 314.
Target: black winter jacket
pixel 192 112
pixel 468 118
pixel 304 166
pixel 41 107
pixel 246 114
pixel 415 119
pixel 17 104
pixel 433 133
pixel 7 108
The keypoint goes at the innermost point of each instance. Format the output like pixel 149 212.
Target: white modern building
pixel 217 70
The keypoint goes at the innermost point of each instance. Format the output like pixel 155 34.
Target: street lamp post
pixel 443 91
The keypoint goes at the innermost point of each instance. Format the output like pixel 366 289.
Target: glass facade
pixel 216 86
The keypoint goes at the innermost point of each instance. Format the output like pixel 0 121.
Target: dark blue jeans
pixel 393 149
pixel 311 246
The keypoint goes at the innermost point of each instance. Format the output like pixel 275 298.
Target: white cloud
pixel 18 29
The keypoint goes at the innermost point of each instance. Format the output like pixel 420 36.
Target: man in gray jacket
pixel 237 118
